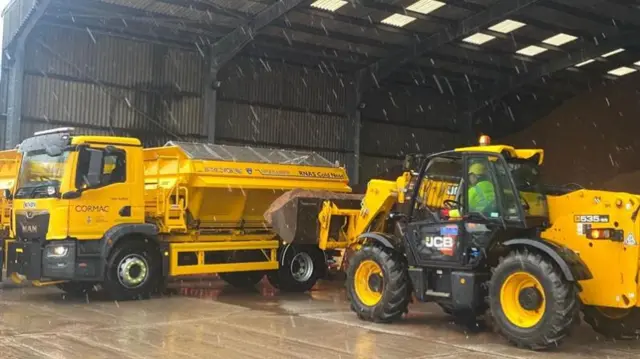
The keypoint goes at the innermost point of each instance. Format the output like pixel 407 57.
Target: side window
pixel 96 168
pixel 509 199
pixel 114 169
pixel 481 186
pixel 441 182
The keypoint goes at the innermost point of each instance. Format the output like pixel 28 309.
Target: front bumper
pixel 55 260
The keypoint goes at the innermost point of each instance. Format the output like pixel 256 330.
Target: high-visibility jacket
pixel 482 197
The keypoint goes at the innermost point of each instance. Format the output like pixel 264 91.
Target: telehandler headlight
pixel 57 251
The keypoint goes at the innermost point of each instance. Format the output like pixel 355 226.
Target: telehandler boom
pixel 100 210
pixel 474 229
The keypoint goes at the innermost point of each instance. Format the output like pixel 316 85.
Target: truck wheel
pixel 378 284
pixel 133 270
pixel 76 289
pixel 533 306
pixel 242 279
pixel 614 323
pixel 300 268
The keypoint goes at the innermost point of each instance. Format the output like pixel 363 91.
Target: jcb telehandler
pixel 471 230
pixel 101 211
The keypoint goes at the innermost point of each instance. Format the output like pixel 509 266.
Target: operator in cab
pixel 482 196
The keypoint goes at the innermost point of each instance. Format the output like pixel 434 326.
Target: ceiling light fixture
pixel 559 39
pixel 532 50
pixel 621 71
pixel 329 5
pixel 478 38
pixel 585 62
pixel 398 20
pixel 425 6
pixel 507 26
pixel 614 52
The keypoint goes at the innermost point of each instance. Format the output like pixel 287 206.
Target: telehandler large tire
pixel 133 270
pixel 377 284
pixel 532 304
pixel 300 268
pixel 614 323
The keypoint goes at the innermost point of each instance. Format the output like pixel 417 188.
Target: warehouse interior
pixel 362 82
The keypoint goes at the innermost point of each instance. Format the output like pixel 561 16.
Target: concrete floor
pixel 211 320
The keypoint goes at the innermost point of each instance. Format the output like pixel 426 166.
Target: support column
pixel 354 99
pixel 210 97
pixel 14 97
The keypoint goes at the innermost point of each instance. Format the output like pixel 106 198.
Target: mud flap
pixel 24 258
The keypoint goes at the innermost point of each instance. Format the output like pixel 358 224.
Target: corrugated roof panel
pixel 249 7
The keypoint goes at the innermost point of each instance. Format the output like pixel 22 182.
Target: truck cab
pixel 70 191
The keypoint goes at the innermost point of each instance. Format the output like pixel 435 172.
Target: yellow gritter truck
pixel 100 210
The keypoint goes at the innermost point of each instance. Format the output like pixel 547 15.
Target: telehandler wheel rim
pixel 368 283
pixel 301 267
pixel 523 300
pixel 133 271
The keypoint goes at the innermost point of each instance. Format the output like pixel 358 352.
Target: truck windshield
pixel 526 176
pixel 39 173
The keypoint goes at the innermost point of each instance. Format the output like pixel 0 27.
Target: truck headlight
pixel 57 251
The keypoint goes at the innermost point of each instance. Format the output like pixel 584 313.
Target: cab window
pixel 481 186
pixel 440 183
pixel 99 168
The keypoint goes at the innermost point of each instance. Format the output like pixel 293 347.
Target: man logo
pixel 29 228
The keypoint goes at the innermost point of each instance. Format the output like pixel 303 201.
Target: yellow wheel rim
pixel 511 292
pixel 368 283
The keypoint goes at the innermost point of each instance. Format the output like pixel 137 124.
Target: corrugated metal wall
pixel 106 85
pixel 399 121
pixel 266 103
pixel 13 20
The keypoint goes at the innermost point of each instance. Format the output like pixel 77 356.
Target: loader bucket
pixel 294 215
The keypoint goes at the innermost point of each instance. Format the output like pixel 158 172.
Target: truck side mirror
pixel 71 195
pixel 6 193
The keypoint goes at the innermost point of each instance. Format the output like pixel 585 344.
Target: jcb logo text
pixel 438 242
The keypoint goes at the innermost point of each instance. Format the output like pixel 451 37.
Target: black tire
pixel 560 306
pixel 395 286
pixel 141 260
pixel 77 289
pixel 300 268
pixel 242 279
pixel 614 323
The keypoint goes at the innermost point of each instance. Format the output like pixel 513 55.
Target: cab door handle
pixel 125 211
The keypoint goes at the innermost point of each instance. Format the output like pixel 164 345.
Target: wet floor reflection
pixel 205 318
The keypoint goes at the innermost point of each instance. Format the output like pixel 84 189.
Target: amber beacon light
pixel 484 140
